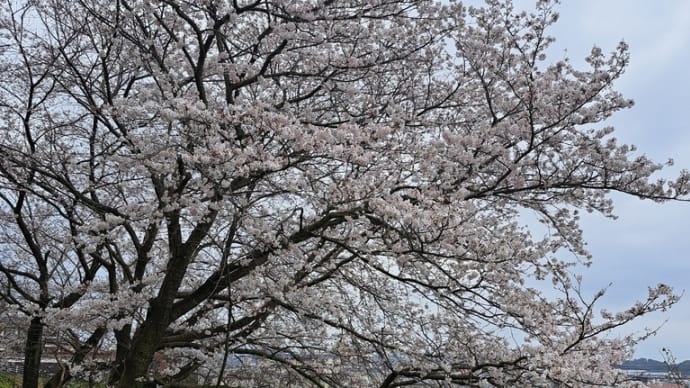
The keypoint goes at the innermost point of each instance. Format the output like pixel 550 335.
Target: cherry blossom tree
pixel 41 267
pixel 310 192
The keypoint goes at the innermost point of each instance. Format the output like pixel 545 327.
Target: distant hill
pixel 650 365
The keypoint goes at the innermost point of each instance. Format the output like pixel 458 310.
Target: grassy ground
pixel 15 381
pixel 10 381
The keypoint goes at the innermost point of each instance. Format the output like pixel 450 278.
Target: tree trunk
pixel 146 340
pixel 124 343
pixel 33 350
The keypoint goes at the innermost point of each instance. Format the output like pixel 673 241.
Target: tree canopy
pixel 295 193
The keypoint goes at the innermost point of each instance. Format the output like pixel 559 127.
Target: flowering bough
pixel 320 192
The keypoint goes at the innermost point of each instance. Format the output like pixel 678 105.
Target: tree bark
pixel 124 343
pixel 146 341
pixel 33 350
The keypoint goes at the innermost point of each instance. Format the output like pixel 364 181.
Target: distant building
pixel 666 385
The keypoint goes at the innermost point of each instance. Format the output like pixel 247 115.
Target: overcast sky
pixel 649 243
